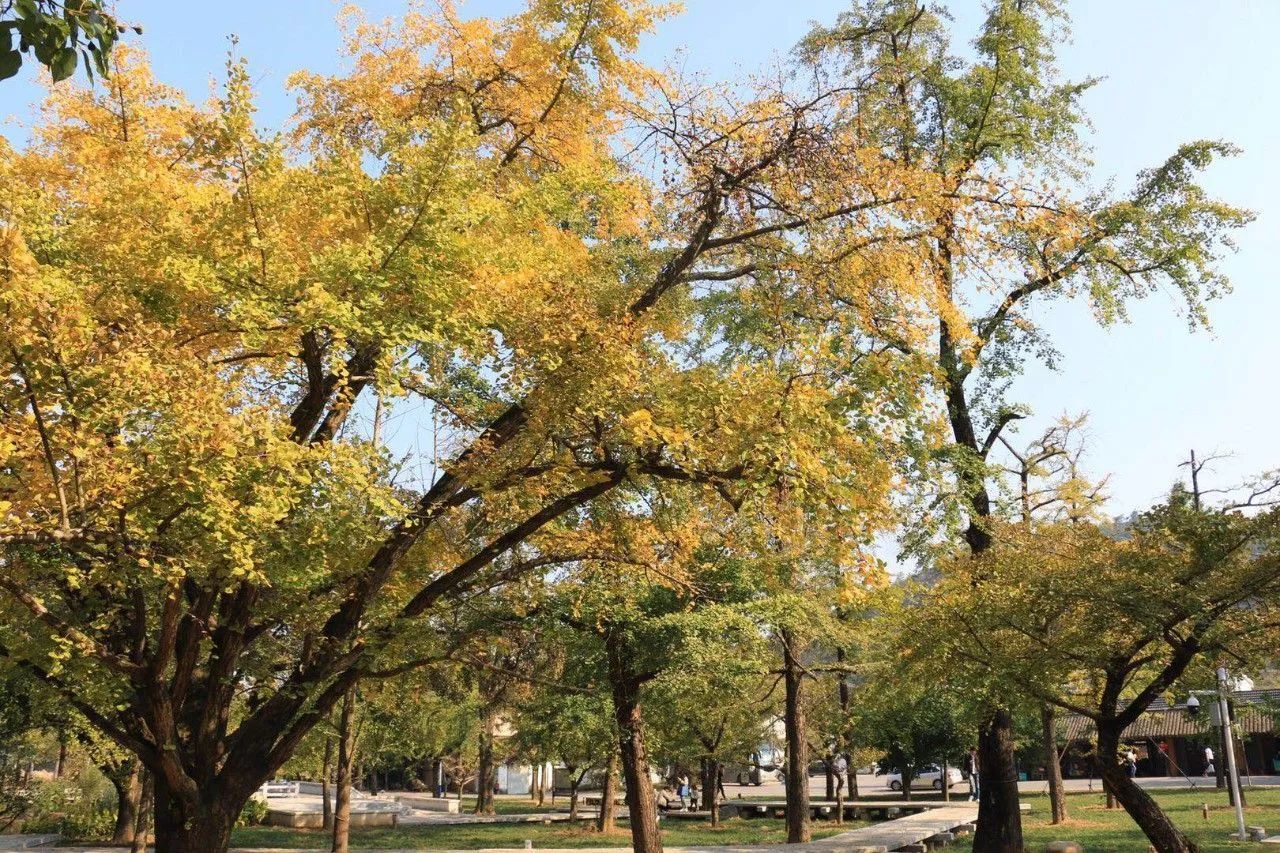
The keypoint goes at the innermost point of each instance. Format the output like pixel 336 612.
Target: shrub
pixel 81 809
pixel 14 803
pixel 253 813
pixel 91 826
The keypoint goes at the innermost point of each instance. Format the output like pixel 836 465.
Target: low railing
pixel 298 788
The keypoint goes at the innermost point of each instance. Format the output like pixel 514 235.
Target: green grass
pixel 509 805
pixel 472 837
pixel 1101 831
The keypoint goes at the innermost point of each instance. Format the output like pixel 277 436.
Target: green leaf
pixel 46 50
pixel 10 62
pixel 64 64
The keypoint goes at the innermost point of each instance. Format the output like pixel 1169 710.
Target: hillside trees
pixel 998 131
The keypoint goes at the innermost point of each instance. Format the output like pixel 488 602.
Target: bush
pixel 253 813
pixel 81 809
pixel 93 826
pixel 14 803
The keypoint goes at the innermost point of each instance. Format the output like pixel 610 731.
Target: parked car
pixel 928 776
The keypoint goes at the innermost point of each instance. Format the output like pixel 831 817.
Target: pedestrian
pixel 1209 769
pixel 682 789
pixel 720 782
pixel 839 767
pixel 970 770
pixel 1131 762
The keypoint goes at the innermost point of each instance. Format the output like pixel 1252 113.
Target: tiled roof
pixel 1165 721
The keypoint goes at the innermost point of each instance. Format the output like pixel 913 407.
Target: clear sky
pixel 1175 70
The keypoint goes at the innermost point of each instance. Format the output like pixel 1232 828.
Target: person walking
pixel 839 767
pixel 682 790
pixel 1209 769
pixel 1131 762
pixel 971 773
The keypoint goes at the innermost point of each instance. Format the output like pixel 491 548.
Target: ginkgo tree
pixel 203 549
pixel 1101 621
pixel 998 130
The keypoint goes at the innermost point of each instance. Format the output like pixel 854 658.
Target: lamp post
pixel 1223 714
pixel 1223 688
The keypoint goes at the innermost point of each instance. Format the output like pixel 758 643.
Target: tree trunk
pixel 908 776
pixel 188 827
pixel 1220 766
pixel 946 782
pixel 641 803
pixel 346 763
pixel 60 768
pixel 999 820
pixel 326 795
pixel 1242 760
pixel 831 778
pixel 1053 769
pixel 1154 823
pixel 839 800
pixel 851 772
pixel 605 820
pixel 543 773
pixel 710 789
pixel 797 772
pixel 141 827
pixel 484 775
pixel 535 779
pixel 574 781
pixel 127 780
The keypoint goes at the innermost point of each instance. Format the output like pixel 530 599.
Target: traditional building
pixel 1170 741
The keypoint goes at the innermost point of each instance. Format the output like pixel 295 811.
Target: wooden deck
pixel 853 809
pixel 922 831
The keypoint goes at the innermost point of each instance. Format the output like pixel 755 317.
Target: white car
pixel 928 776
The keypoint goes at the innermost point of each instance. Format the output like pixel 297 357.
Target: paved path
pixel 26 842
pixel 875 786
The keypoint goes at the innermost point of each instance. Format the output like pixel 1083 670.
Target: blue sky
pixel 1174 70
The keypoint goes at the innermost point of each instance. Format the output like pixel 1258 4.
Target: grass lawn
pixel 509 805
pixel 462 837
pixel 1102 831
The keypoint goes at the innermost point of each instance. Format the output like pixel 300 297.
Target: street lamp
pixel 1224 688
pixel 1224 719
